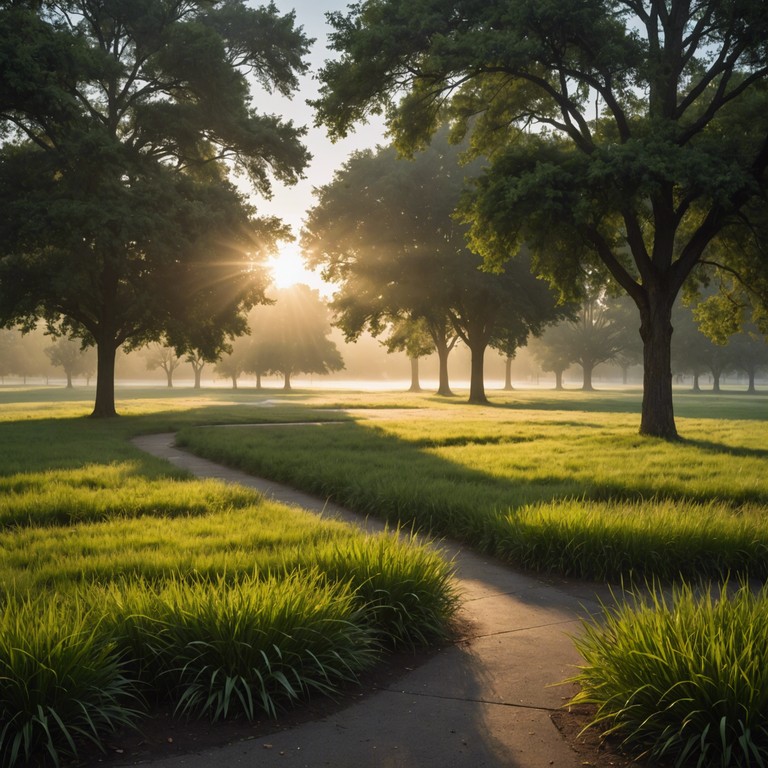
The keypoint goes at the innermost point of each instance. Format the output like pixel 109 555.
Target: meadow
pixel 143 562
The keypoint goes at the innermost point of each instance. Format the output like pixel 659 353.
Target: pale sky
pixel 291 203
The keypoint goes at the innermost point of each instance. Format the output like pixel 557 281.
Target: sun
pixel 287 267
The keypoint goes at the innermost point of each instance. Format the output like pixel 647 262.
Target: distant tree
pixel 631 134
pixel 165 358
pixel 234 361
pixel 553 351
pixel 70 355
pixel 384 230
pixel 291 336
pixel 413 338
pixel 749 354
pixel 694 352
pixel 120 122
pixel 198 361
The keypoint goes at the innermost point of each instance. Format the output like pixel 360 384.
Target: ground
pixel 161 735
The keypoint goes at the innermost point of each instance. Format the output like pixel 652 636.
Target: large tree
pixel 629 132
pixel 384 230
pixel 121 121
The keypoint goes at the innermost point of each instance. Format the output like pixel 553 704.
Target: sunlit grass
pixel 569 491
pixel 135 582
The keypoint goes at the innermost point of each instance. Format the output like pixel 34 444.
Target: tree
pixel 553 352
pixel 413 338
pixel 384 230
pixel 291 336
pixel 121 121
pixel 234 361
pixel 70 355
pixel 624 134
pixel 198 361
pixel 165 358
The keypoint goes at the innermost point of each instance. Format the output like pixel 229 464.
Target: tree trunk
pixel 198 376
pixel 476 376
pixel 751 389
pixel 658 415
pixel 696 385
pixel 415 385
pixel 559 379
pixel 169 376
pixel 624 374
pixel 587 368
pixel 508 374
pixel 258 380
pixel 716 374
pixel 69 379
pixel 104 406
pixel 287 384
pixel 234 381
pixel 443 386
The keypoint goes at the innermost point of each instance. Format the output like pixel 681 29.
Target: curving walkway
pixel 483 702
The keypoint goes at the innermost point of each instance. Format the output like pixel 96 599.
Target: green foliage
pixel 682 678
pixel 120 123
pixel 62 681
pixel 240 646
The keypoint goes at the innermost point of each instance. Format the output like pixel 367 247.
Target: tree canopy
pixel 121 123
pixel 385 232
pixel 631 134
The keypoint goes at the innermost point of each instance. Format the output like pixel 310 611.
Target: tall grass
pixel 62 681
pixel 682 679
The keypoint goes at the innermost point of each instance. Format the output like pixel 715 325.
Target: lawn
pixel 125 583
pixel 143 584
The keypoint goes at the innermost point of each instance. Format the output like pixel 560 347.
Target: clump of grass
pixel 682 678
pixel 406 589
pixel 61 682
pixel 242 647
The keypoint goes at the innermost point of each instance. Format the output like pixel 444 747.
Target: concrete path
pixel 484 702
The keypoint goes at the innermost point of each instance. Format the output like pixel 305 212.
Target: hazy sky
pixel 291 203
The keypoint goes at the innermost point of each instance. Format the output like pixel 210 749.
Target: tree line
pixel 616 140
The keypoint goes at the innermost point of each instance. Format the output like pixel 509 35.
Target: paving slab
pixel 484 701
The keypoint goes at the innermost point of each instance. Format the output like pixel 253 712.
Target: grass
pixel 570 490
pixel 174 572
pixel 142 584
pixel 682 679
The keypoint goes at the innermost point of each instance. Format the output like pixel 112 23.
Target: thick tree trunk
pixel 696 385
pixel 258 380
pixel 104 406
pixel 508 374
pixel 169 376
pixel 287 384
pixel 476 376
pixel 234 382
pixel 559 379
pixel 198 376
pixel 658 415
pixel 415 384
pixel 751 387
pixel 69 379
pixel 587 369
pixel 716 380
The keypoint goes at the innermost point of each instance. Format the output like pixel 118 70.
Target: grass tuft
pixel 682 678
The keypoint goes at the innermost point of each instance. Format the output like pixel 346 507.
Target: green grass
pixel 570 489
pixel 682 679
pixel 141 584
